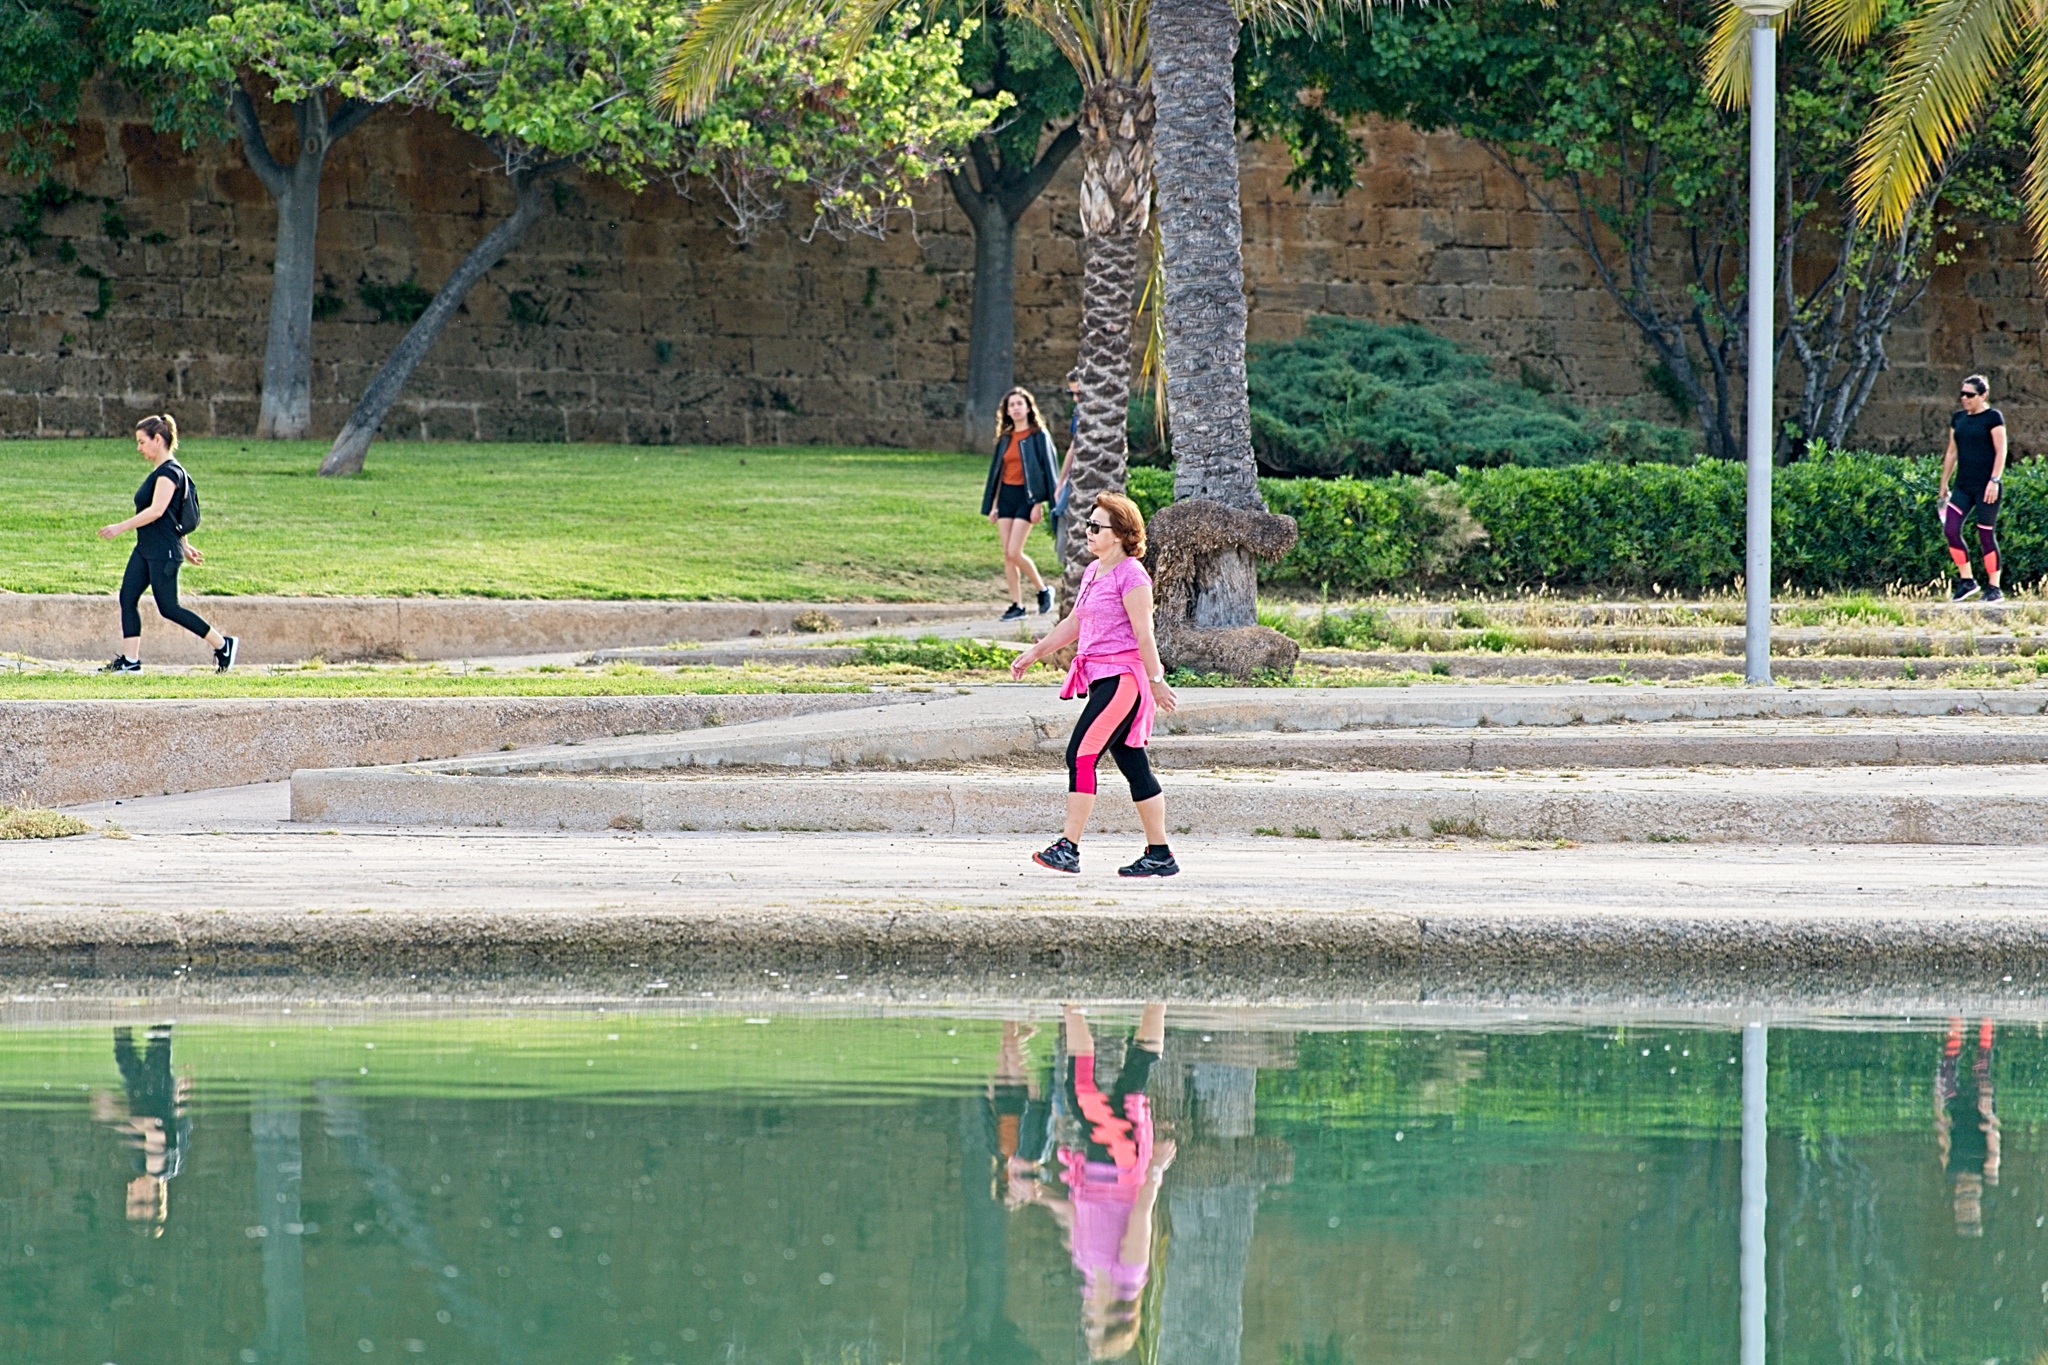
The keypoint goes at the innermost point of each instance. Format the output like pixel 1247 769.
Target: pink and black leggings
pixel 1961 504
pixel 1104 725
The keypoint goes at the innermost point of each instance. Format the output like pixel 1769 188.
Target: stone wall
pixel 638 318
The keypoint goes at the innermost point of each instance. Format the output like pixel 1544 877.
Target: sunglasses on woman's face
pixel 1971 393
pixel 1094 526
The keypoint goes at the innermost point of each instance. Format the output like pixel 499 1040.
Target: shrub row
pixel 1839 520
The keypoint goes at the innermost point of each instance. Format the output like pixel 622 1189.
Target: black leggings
pixel 1105 724
pixel 160 576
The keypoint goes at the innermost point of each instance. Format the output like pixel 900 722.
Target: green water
pixel 666 1187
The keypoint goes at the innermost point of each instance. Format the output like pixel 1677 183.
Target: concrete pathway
pixel 236 850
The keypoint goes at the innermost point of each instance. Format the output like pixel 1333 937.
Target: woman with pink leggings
pixel 1118 666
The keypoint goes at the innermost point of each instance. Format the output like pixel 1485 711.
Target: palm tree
pixel 1208 543
pixel 1106 42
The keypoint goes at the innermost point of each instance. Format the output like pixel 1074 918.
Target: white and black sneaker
pixel 1044 600
pixel 123 664
pixel 224 657
pixel 1155 861
pixel 1015 613
pixel 1964 590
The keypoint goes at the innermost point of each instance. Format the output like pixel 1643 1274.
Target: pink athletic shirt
pixel 1105 624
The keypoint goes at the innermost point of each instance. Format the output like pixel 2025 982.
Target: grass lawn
pixel 564 521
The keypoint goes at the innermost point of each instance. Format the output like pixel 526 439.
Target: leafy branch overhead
pixel 550 83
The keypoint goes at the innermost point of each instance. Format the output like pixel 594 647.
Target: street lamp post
pixel 1763 181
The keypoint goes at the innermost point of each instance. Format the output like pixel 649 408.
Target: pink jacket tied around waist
pixel 1108 644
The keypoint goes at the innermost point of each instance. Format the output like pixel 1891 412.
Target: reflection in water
pixel 280 1172
pixel 151 1115
pixel 1966 1125
pixel 677 1189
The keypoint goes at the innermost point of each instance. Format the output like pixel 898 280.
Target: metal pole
pixel 1763 180
pixel 1755 1097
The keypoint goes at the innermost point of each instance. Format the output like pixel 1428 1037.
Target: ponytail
pixel 164 428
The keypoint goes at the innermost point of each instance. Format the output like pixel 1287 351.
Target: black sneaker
pixel 1015 613
pixel 1151 864
pixel 123 664
pixel 1063 856
pixel 224 657
pixel 1964 590
pixel 1044 600
pixel 1993 595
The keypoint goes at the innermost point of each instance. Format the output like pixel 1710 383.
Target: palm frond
pixel 722 35
pixel 1727 55
pixel 1842 25
pixel 1950 53
pixel 1152 364
pixel 2034 87
pixel 1298 16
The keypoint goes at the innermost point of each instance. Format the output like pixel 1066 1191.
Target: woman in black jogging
pixel 163 499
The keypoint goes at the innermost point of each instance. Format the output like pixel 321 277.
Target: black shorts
pixel 1013 501
pixel 1963 500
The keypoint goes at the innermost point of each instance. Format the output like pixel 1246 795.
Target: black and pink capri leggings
pixel 1105 723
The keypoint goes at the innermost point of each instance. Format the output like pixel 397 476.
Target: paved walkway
pixel 235 850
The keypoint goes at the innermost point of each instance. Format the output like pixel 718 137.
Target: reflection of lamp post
pixel 1756 1048
pixel 1763 182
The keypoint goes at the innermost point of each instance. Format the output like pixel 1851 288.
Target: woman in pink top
pixel 1118 666
pixel 1112 1181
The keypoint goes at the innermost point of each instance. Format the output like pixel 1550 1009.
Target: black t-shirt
pixel 157 538
pixel 1974 456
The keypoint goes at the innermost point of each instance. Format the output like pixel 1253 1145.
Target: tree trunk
pixel 1116 198
pixel 345 458
pixel 992 326
pixel 286 408
pixel 1194 45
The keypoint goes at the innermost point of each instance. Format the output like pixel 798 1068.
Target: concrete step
pixel 1474 663
pixel 288 629
pixel 980 723
pixel 1911 805
pixel 1960 641
pixel 1725 612
pixel 1739 744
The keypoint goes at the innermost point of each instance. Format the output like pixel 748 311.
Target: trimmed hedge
pixel 1840 521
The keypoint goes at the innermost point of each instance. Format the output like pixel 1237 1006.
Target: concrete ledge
pixel 989 722
pixel 831 957
pixel 1912 806
pixel 1630 746
pixel 287 629
pixel 69 752
pixel 1660 667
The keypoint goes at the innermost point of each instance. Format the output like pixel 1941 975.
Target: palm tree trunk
pixel 1116 197
pixel 1194 46
pixel 345 457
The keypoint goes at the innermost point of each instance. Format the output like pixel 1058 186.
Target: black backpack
pixel 184 510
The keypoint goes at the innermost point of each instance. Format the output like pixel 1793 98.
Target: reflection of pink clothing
pixel 1108 645
pixel 1105 1193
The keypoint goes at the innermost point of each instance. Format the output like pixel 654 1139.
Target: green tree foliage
pixel 1599 109
pixel 1009 55
pixel 1355 397
pixel 50 49
pixel 1840 521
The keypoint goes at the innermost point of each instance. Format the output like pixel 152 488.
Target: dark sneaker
pixel 123 664
pixel 1993 595
pixel 1044 600
pixel 1015 613
pixel 1964 590
pixel 1063 856
pixel 224 657
pixel 1151 864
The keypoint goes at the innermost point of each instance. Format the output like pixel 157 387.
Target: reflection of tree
pixel 349 1127
pixel 280 1169
pixel 1835 1223
pixel 1211 1091
pixel 985 1335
